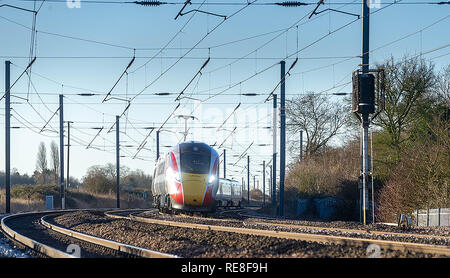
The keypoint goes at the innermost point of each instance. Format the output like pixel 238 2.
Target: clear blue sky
pixel 96 67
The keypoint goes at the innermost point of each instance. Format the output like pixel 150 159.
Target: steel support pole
pixel 117 162
pixel 61 151
pixel 365 116
pixel 371 177
pixel 365 126
pixel 7 137
pixel 264 182
pixel 68 153
pixel 274 158
pixel 270 182
pixel 282 138
pixel 248 179
pixel 224 163
pixel 365 35
pixel 157 144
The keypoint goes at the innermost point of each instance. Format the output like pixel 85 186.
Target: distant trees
pixel 41 163
pixel 54 160
pixel 411 140
pixel 98 180
pixel 421 179
pixel 42 173
pixel 102 179
pixel 409 98
pixel 411 151
pixel 16 178
pixel 136 178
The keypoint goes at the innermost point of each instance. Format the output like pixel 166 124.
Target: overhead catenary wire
pixel 187 52
pixel 198 72
pixel 169 42
pixel 120 77
pixel 226 94
pixel 229 3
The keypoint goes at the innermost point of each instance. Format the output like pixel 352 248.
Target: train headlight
pixel 211 179
pixel 173 175
pixel 177 176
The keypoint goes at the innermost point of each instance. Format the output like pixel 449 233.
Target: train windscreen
pixel 195 158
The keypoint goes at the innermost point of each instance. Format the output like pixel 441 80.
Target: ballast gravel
pixel 195 243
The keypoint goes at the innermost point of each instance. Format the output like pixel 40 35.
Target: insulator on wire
pixel 149 3
pixel 291 4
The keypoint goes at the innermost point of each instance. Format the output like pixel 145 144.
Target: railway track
pixel 37 232
pixel 275 222
pixel 242 213
pixel 142 233
pixel 353 237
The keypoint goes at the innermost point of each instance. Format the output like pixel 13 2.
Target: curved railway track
pixel 37 232
pixel 147 233
pixel 349 237
pixel 275 222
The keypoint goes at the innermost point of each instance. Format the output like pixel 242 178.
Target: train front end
pixel 192 177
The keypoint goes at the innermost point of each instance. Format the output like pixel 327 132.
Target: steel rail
pixel 352 230
pixel 384 244
pixel 34 245
pixel 55 253
pixel 122 247
pixel 345 230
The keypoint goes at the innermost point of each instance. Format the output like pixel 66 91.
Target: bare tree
pixel 443 85
pixel 54 155
pixel 41 163
pixel 409 85
pixel 318 117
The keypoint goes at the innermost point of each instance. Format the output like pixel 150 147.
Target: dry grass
pixel 76 199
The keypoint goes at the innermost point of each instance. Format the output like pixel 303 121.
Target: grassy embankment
pixel 32 198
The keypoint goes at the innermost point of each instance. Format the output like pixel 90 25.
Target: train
pixel 229 193
pixel 186 178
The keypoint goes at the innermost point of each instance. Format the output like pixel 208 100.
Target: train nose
pixel 194 188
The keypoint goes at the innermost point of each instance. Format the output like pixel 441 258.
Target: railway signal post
pixel 364 102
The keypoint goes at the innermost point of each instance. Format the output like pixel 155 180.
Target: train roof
pixel 188 144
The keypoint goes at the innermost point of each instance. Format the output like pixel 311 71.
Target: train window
pixel 195 162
